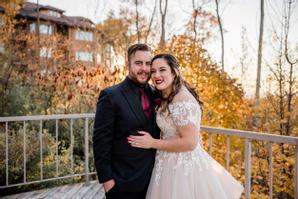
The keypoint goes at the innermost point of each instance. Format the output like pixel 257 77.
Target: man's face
pixel 139 67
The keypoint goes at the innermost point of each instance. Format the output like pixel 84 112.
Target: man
pixel 122 110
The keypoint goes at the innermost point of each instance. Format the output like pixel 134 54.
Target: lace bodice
pixel 180 113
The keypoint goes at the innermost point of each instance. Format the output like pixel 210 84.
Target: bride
pixel 183 169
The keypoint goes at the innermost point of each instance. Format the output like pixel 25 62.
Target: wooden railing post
pixel 86 150
pixel 296 172
pixel 247 167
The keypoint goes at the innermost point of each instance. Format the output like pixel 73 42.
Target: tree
pixel 277 112
pixel 260 48
pixel 163 7
pixel 221 36
pixel 222 95
pixel 195 14
pixel 115 32
pixel 137 20
pixel 7 29
pixel 201 23
pixel 244 59
pixel 292 62
pixel 150 23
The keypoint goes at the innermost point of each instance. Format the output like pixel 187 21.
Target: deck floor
pixel 82 190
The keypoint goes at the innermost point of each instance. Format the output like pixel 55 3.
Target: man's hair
pixel 136 47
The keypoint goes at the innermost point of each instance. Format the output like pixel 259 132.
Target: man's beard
pixel 134 78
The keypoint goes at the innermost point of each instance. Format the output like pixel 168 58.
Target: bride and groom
pixel 147 140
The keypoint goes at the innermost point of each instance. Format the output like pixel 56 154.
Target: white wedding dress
pixel 188 175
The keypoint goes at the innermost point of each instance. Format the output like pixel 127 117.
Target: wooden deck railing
pixel 249 136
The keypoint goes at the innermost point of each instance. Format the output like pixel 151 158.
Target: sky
pixel 235 14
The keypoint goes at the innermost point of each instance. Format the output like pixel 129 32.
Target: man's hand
pixel 108 185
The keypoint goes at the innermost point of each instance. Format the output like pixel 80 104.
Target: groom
pixel 123 110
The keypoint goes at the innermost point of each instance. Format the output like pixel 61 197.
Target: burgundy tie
pixel 145 103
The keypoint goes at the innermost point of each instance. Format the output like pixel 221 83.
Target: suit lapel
pixel 133 101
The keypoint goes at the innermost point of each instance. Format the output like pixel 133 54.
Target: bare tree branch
pixel 151 22
pixel 221 36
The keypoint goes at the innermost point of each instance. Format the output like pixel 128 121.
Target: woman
pixel 182 168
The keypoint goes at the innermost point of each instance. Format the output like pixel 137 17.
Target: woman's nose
pixel 155 75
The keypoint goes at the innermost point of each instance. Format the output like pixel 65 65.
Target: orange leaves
pixel 224 104
pixel 77 88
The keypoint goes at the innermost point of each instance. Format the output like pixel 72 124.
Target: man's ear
pixel 127 65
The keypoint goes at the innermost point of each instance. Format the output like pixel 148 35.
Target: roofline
pixel 30 12
pixel 58 22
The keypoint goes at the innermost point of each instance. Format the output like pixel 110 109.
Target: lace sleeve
pixel 185 112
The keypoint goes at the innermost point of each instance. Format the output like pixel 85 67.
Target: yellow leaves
pixel 221 106
pixel 220 93
pixel 77 88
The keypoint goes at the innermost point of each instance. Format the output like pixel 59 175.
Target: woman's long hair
pixel 178 80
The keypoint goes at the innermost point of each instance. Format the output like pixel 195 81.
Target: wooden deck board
pixel 72 191
pixel 81 190
pixel 95 190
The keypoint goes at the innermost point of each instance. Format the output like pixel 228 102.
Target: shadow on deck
pixel 82 190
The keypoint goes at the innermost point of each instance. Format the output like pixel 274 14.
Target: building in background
pixel 78 34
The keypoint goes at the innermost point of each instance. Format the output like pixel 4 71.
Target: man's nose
pixel 145 66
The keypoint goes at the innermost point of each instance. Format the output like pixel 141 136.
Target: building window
pixel 98 58
pixel 108 50
pixel 43 28
pixel 84 35
pixel 54 13
pixel 45 52
pixel 46 29
pixel 108 55
pixel 84 56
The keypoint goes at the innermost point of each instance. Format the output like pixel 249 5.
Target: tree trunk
pixel 221 36
pixel 259 66
pixel 151 22
pixel 195 16
pixel 38 37
pixel 163 12
pixel 291 84
pixel 137 21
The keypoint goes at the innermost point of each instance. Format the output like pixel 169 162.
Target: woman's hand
pixel 145 140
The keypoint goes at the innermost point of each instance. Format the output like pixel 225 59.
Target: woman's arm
pixel 187 141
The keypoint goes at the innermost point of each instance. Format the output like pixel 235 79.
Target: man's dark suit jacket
pixel 119 114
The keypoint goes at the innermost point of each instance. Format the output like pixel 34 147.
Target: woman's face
pixel 161 75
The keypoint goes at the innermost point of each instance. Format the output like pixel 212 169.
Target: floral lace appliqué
pixel 186 161
pixel 185 112
pixel 181 113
